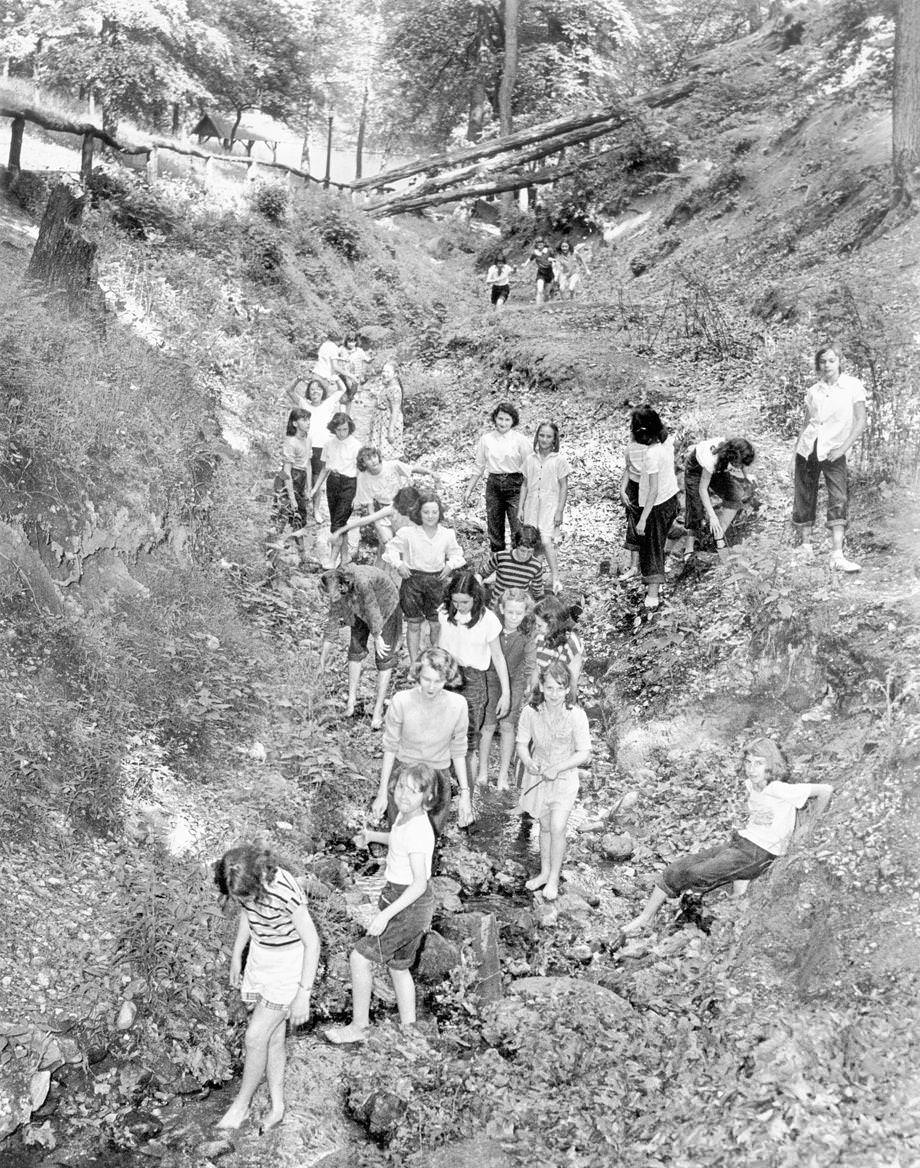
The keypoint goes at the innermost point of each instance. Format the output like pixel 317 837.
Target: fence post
pixel 328 174
pixel 152 166
pixel 16 130
pixel 86 159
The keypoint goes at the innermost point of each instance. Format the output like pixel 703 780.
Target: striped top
pixel 572 647
pixel 512 573
pixel 269 915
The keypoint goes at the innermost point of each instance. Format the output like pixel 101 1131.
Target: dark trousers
pixel 808 473
pixel 633 511
pixel 340 494
pixel 503 494
pixel 738 859
pixel 652 544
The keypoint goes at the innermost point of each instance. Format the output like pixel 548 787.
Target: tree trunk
pixel 906 108
pixel 328 175
pixel 175 119
pixel 62 260
pixel 362 129
pixel 506 90
pixel 479 102
pixel 86 159
pixel 236 126
pixel 15 162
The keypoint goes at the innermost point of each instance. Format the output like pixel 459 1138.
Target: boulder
pixel 481 930
pixel 446 894
pixel 439 957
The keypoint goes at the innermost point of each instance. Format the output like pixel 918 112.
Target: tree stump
pixel 63 261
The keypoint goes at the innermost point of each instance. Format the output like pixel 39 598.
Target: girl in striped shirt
pixel 557 639
pixel 518 568
pixel 280 968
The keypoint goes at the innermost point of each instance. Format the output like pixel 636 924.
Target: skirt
pixel 272 975
pixel 540 799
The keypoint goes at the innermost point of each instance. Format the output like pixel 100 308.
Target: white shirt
pixel 383 486
pixel 326 360
pixel 296 451
pixel 772 815
pixel 342 456
pixel 469 644
pixel 659 459
pixel 502 453
pixel 321 416
pixel 499 274
pixel 414 837
pixel 830 414
pixel 412 546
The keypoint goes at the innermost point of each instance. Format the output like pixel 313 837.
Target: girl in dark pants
pixel 340 474
pixel 500 455
pixel 658 500
pixel 708 468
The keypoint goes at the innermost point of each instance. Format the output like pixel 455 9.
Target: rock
pixel 214 1149
pixel 439 957
pixel 617 846
pixel 545 914
pixel 446 894
pixel 40 1136
pixel 142 1125
pixel 439 247
pixel 126 1016
pixel 15 1102
pixel 472 869
pixel 481 929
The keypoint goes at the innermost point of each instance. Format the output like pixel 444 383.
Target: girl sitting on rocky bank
pixel 772 805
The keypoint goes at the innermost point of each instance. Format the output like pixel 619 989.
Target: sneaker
pixel 629 574
pixel 840 563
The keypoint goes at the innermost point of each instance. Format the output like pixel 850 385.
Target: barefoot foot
pixel 274 1118
pixel 551 891
pixel 343 1035
pixel 231 1119
pixel 634 927
pixel 536 883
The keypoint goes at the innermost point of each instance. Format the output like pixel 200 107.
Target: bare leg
pixel 274 1073
pixel 805 534
pixel 405 995
pixel 413 640
pixel 549 550
pixel 383 684
pixel 354 676
pixel 262 1025
pixel 545 842
pixel 362 981
pixel 541 294
pixel 557 824
pixel 652 905
pixel 485 745
pixel 506 731
pixel 434 634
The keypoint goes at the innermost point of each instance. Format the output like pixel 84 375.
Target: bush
pixel 133 204
pixel 271 200
pixel 334 223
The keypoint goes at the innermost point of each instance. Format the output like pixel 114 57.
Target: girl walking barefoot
pixel 500 456
pixel 553 741
pixel 557 640
pixel 406 905
pixel 657 498
pixel 339 474
pixel 292 493
pixel 544 493
pixel 519 646
pixel 471 633
pixel 280 968
pixel 519 568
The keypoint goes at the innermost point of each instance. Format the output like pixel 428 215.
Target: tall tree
pixel 512 17
pixel 906 107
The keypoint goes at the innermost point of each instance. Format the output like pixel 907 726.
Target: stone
pixel 446 894
pixel 617 846
pixel 481 929
pixel 142 1125
pixel 126 1016
pixel 545 914
pixel 439 957
pixel 214 1149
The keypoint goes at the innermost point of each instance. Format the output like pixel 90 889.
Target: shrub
pixel 134 205
pixel 271 200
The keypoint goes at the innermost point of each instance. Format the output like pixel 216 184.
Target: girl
pixel 557 640
pixel 710 466
pixel 471 633
pixel 772 803
pixel 629 497
pixel 379 481
pixel 424 556
pixel 321 407
pixel 499 278
pixel 363 409
pixel 388 425
pixel 280 968
pixel 340 473
pixel 367 600
pixel 553 741
pixel 545 491
pixel 569 264
pixel 387 520
pixel 658 500
pixel 354 358
pixel 519 647
pixel 406 905
pixel 518 568
pixel 426 724
pixel 500 454
pixel 542 256
pixel 292 493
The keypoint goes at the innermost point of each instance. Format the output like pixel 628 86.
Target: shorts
pixel 546 275
pixel 272 975
pixel 392 634
pixel 500 293
pixel 420 596
pixel 398 944
pixel 493 693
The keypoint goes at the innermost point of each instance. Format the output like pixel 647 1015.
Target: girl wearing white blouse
pixel 544 493
pixel 500 455
pixel 657 498
pixel 340 474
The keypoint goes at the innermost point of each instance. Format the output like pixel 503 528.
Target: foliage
pixel 271 200
pixel 134 205
pixel 337 225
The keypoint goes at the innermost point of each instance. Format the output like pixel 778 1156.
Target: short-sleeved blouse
pixel 554 738
pixel 341 456
pixel 571 647
pixel 469 644
pixel 296 451
pixel 659 460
